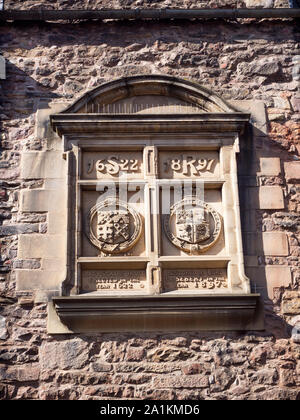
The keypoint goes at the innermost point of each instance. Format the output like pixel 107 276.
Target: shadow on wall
pixel 264 228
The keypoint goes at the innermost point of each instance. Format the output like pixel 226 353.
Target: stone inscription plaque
pixel 199 279
pixel 113 280
pixel 112 165
pixel 182 165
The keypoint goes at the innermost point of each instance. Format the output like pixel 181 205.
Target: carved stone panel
pixel 112 227
pixel 193 225
pixel 115 227
pixel 112 165
pixel 114 281
pixel 154 218
pixel 189 164
pixel 197 280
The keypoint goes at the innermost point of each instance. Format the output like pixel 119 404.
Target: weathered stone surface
pixel 42 200
pixel 79 4
pixel 41 246
pixel 71 354
pixel 271 198
pixel 275 243
pixel 291 303
pixel 37 165
pixel 270 166
pixel 265 377
pixel 259 3
pixel 194 382
pixel 277 276
pixel 19 229
pixel 39 279
pixel 292 171
pixel 3 330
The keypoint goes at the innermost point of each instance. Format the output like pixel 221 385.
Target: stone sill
pixel 99 314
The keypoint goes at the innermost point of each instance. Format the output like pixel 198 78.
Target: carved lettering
pixel 205 279
pixel 189 166
pixel 113 280
pixel 113 165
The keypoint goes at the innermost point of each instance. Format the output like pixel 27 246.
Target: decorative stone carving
pixel 114 226
pixel 112 165
pixel 193 225
pixel 113 280
pixel 201 279
pixel 131 272
pixel 199 164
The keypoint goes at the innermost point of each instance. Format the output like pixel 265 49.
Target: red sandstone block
pixel 292 171
pixel 175 381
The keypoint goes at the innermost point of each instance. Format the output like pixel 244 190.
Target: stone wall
pixel 50 64
pixel 95 4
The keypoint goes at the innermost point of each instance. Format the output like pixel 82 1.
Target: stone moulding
pixel 74 124
pixel 158 85
pixel 159 313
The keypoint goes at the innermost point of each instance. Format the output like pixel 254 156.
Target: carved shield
pixel 191 226
pixel 113 227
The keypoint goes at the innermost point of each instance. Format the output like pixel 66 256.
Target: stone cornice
pixel 72 124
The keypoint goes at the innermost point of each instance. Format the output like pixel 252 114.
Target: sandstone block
pixel 57 222
pixel 9 174
pixel 271 198
pixel 72 354
pixel 9 230
pixel 39 279
pixel 35 165
pixel 259 3
pixel 275 244
pixel 41 246
pixel 101 367
pixel 194 381
pixel 270 166
pixel 292 171
pixel 28 373
pixel 53 264
pixel 42 200
pixel 3 330
pixel 291 303
pixel 27 264
pixel 265 376
pixel 277 276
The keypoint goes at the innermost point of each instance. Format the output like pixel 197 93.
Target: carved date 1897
pixel 187 165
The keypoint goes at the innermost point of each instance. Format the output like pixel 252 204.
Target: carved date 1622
pixel 113 165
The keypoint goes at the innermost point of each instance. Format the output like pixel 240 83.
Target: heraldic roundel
pixel 114 226
pixel 193 225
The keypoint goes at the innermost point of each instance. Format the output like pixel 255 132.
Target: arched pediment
pixel 157 94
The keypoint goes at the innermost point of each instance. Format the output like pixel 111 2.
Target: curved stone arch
pixel 187 94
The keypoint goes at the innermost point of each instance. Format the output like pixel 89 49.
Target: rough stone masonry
pixel 49 64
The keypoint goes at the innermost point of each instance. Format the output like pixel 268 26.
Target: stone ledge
pixel 94 314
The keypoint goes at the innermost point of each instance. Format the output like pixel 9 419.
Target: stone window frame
pixel 81 126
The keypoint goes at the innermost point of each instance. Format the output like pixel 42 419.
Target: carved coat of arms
pixel 113 227
pixel 192 226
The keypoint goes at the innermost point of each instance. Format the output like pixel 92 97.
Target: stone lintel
pixel 93 314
